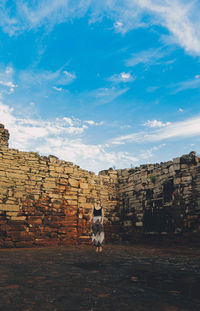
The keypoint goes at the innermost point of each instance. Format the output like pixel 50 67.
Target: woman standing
pixel 97 217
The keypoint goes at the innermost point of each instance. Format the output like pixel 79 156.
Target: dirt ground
pixel 139 278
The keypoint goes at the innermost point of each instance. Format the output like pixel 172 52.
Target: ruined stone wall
pixel 44 200
pixel 4 136
pixel 160 198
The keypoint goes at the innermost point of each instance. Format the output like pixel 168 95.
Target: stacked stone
pixel 160 198
pixel 4 136
pixel 45 201
pixel 109 196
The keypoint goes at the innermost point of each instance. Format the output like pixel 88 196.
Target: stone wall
pixel 46 201
pixel 160 198
pixel 4 136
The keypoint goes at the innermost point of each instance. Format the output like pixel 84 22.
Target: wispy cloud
pixel 28 130
pixel 186 85
pixel 22 16
pixel 70 76
pixel 156 123
pixel 121 77
pixel 102 96
pixel 62 137
pixel 91 122
pixel 59 77
pixel 179 17
pixel 146 154
pixel 7 84
pixel 149 57
pixel 31 78
pixel 176 130
pixel 58 89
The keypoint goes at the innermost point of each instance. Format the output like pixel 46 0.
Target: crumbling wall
pixel 47 201
pixel 44 200
pixel 160 198
pixel 4 136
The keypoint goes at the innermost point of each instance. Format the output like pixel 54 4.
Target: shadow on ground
pixel 139 278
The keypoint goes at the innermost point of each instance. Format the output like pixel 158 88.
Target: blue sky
pixel 103 84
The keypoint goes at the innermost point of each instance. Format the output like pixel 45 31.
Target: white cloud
pixel 26 16
pixel 118 26
pixel 59 77
pixel 68 121
pixel 179 17
pixel 149 57
pixel 90 122
pixel 59 89
pixel 27 131
pixel 149 153
pixel 176 130
pixel 6 115
pixel 9 84
pixel 6 80
pixel 9 71
pixel 69 75
pixel 63 138
pixel 102 96
pixel 121 77
pixel 186 85
pixel 156 123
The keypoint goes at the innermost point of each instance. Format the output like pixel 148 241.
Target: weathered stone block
pixel 177 160
pixel 73 182
pixel 83 185
pixel 177 167
pixel 9 207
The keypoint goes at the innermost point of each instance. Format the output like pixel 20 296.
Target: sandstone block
pixel 83 185
pixel 177 167
pixel 81 199
pixel 177 160
pixel 47 185
pixel 68 170
pixel 9 207
pixel 12 214
pixel 18 218
pixel 73 182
